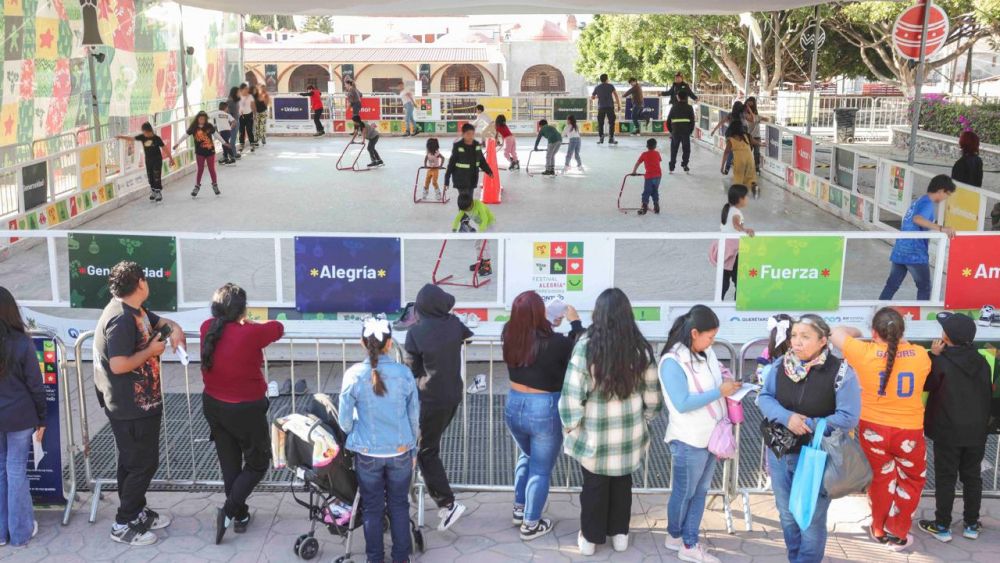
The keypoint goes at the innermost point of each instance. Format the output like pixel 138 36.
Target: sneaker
pixel 449 515
pixel 673 544
pixel 478 386
pixel 643 209
pixel 985 315
pixel 612 141
pixel 619 542
pixel 301 387
pixel 272 388
pixel 194 192
pixel 221 523
pixel 656 208
pixel 518 514
pixel 871 534
pixel 696 554
pixel 154 520
pixel 286 387
pixel 472 267
pixel 240 525
pixel 152 197
pixel 540 528
pixel 586 548
pixel 671 170
pixel 437 193
pixel 426 193
pixel 970 531
pixel 599 142
pixel 372 164
pixel 215 188
pixel 686 169
pixel 133 533
pixel 899 544
pixel 549 173
pixel 940 533
pixel 158 196
pixel 486 268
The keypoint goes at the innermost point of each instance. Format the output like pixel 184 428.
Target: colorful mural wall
pixel 45 88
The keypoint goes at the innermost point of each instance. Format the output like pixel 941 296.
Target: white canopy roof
pixel 400 8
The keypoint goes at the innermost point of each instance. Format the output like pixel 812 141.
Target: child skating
pixel 224 123
pixel 433 161
pixel 154 150
pixel 466 161
pixel 506 138
pixel 554 139
pixel 203 133
pixel 732 222
pixel 472 211
pixel 369 133
pixel 652 174
pixel 572 134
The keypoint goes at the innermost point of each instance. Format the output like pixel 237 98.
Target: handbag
pixel 847 468
pixel 808 478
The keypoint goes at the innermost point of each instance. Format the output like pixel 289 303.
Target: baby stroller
pixel 312 446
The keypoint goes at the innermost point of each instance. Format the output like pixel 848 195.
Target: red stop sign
pixel 909 25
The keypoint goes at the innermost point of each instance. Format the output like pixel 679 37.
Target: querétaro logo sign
pixel 790 273
pixel 341 274
pixel 91 258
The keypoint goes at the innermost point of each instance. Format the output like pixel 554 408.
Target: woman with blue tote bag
pixel 807 391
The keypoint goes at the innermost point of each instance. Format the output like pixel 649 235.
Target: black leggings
pixel 729 276
pixel 243 443
pixel 371 150
pixel 246 129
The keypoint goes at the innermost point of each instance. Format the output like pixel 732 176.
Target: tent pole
pixel 915 117
pixel 812 70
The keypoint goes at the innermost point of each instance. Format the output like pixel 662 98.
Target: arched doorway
pixel 543 78
pixel 463 78
pixel 308 75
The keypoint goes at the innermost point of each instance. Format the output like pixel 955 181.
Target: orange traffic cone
pixel 491 186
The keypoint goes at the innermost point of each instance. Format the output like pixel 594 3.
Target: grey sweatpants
pixel 550 155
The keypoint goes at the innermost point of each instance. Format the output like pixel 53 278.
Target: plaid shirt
pixel 607 436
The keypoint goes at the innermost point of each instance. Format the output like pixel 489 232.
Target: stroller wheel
pixel 343 559
pixel 306 547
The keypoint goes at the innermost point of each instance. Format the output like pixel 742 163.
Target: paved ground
pixel 483 535
pixel 291 185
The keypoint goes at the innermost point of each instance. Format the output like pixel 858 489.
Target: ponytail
pixel 888 324
pixel 375 336
pixel 725 213
pixel 736 193
pixel 229 304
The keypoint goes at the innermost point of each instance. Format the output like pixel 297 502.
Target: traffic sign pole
pixel 915 117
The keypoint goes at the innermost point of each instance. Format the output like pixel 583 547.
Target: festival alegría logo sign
pixel 790 273
pixel 973 272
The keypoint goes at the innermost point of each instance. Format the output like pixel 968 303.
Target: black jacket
pixel 680 120
pixel 677 89
pixel 22 395
pixel 434 348
pixel 464 165
pixel 968 170
pixel 958 406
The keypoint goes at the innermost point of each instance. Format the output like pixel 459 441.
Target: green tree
pixel 322 24
pixel 255 22
pixel 867 26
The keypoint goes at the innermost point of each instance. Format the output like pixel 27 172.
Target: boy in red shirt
pixel 650 160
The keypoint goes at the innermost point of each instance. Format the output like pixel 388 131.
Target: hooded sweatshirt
pixel 958 407
pixel 434 348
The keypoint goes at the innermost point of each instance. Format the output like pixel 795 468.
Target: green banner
pixel 790 273
pixel 562 108
pixel 91 258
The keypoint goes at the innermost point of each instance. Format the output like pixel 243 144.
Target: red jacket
pixel 315 99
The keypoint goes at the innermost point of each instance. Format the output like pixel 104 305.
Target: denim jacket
pixel 382 425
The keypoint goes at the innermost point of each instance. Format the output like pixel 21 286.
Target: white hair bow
pixel 782 333
pixel 376 327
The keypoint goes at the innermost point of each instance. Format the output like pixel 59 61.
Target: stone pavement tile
pixel 443 554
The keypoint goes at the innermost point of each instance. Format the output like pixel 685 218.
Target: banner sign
pixel 845 165
pixel 286 109
pixel 91 257
pixel 576 271
pixel 961 211
pixel 773 142
pixel 347 274
pixel 790 273
pixel 90 167
pixel 895 188
pixel 371 109
pixel 803 153
pixel 704 117
pixel 271 77
pixel 650 105
pixel 497 106
pixel 562 108
pixel 973 272
pixel 35 179
pixel 346 71
pixel 425 77
pixel 45 460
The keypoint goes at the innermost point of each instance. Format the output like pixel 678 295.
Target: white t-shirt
pixel 222 120
pixel 246 104
pixel 728 227
pixel 570 133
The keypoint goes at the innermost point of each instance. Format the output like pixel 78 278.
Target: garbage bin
pixel 843 120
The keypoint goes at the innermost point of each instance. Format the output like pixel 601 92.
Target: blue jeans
pixel 384 479
pixel 408 108
pixel 651 189
pixel 574 150
pixel 533 420
pixel 16 516
pixel 897 273
pixel 692 470
pixel 804 546
pixel 227 153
